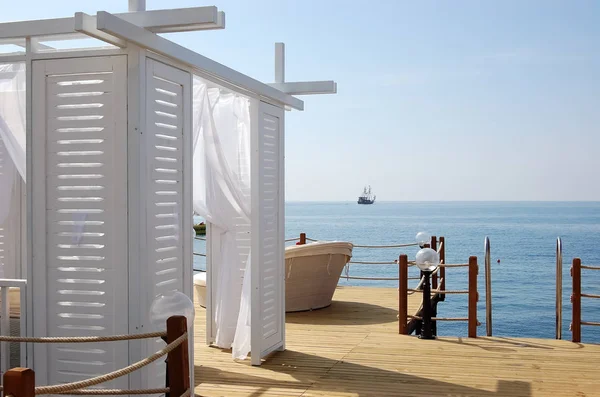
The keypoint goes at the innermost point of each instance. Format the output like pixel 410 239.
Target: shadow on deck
pixel 352 348
pixel 296 373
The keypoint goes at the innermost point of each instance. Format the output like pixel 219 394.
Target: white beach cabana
pixel 119 145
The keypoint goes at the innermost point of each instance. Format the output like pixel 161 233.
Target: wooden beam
pixel 403 294
pixel 307 87
pixel 178 360
pixel 576 301
pixel 473 296
pixel 86 24
pixel 19 382
pixel 118 27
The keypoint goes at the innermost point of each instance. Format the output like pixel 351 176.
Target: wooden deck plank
pixel 353 348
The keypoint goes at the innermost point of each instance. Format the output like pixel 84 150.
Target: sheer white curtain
pixel 222 197
pixel 12 139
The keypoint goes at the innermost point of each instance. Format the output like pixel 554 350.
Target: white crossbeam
pixel 298 87
pixel 307 87
pixel 118 27
pixel 85 23
pixel 157 21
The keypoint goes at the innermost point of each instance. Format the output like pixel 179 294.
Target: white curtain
pixel 222 197
pixel 12 141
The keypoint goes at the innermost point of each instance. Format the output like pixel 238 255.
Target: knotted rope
pixel 81 339
pixel 62 389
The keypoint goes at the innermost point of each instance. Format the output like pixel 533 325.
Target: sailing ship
pixel 366 197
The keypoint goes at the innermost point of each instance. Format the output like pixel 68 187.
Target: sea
pixel 523 250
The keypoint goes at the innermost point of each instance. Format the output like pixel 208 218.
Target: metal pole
pixel 488 287
pixel 137 5
pixel 426 323
pixel 559 270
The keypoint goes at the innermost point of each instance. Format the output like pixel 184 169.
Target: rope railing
pixel 68 387
pixel 577 322
pixel 442 318
pixel 291 239
pixel 372 278
pixel 200 238
pixel 593 323
pixel 199 254
pixel 593 296
pixel 374 263
pixel 369 246
pixel 454 265
pixel 81 339
pixel 590 267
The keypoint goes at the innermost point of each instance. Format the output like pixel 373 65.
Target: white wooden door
pixel 268 284
pixel 79 220
pixel 168 193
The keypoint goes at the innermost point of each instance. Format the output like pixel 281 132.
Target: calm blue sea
pixel 523 237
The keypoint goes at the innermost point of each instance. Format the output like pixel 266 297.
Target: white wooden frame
pixel 115 29
pixel 157 21
pixel 134 34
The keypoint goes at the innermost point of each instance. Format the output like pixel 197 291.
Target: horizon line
pixel 447 201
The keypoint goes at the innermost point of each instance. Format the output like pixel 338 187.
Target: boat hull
pixel 312 272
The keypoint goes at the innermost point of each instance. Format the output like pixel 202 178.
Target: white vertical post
pixel 4 330
pixel 137 5
pixel 28 304
pixel 23 322
pixel 279 62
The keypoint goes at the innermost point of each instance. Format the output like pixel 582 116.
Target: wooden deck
pixel 352 349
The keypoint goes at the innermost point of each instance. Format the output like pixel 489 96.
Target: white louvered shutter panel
pixel 167 102
pixel 268 299
pixel 80 265
pixel 10 228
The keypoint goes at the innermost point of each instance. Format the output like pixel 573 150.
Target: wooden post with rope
pixel 302 239
pixel 576 300
pixel 178 359
pixel 442 269
pixel 403 294
pixel 19 382
pixel 473 270
pixel 434 276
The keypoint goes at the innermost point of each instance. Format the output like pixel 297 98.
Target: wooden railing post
pixel 19 382
pixel 178 362
pixel 403 294
pixel 576 300
pixel 473 270
pixel 302 238
pixel 434 276
pixel 443 269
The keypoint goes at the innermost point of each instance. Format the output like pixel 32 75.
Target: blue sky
pixel 445 100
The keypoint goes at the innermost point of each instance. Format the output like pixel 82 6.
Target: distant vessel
pixel 366 197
